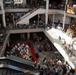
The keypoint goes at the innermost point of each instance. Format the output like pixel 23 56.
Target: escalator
pixel 25 19
pixel 8 71
pixel 17 66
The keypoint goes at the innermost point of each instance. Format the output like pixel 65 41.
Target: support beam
pixel 28 36
pixel 53 18
pixel 3 13
pixel 64 18
pixel 46 14
pixel 38 19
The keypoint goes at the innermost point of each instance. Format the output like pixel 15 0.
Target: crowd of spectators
pixel 12 5
pixel 53 5
pixel 66 40
pixel 22 5
pixel 54 66
pixel 48 65
pixel 69 42
pixel 21 50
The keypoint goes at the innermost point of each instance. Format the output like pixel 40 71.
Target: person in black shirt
pixel 64 69
pixel 41 71
pixel 72 71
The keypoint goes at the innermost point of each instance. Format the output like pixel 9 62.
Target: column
pixel 53 18
pixel 3 13
pixel 46 14
pixel 28 36
pixel 22 36
pixel 38 19
pixel 31 2
pixel 13 19
pixel 64 18
pixel 24 2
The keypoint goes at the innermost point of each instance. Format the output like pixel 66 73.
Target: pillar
pixel 22 36
pixel 28 36
pixel 3 13
pixel 31 2
pixel 13 19
pixel 38 19
pixel 53 18
pixel 64 18
pixel 46 14
pixel 24 2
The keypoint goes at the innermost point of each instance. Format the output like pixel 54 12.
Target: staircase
pixel 25 19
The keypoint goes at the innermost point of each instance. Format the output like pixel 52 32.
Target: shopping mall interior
pixel 37 37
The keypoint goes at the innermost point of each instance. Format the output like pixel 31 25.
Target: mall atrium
pixel 37 37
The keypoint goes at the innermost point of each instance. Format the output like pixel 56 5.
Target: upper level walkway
pixel 53 34
pixel 25 19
